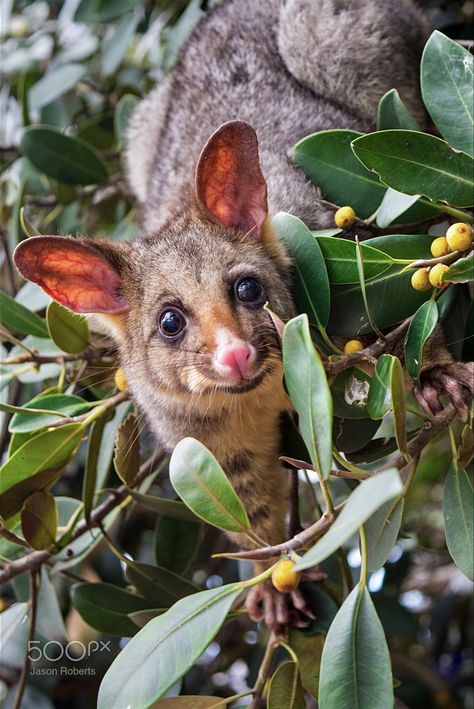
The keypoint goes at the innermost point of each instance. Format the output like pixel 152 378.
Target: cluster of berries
pixel 458 238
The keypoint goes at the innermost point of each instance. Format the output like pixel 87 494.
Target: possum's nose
pixel 235 359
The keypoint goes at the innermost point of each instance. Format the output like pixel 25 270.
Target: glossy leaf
pixel 68 330
pixel 312 287
pixel 173 642
pixel 465 451
pixel 367 497
pixel 61 404
pixel 30 374
pixel 37 464
pixel 127 450
pixel 393 205
pixel 160 586
pixel 308 649
pixel 327 159
pixel 19 319
pixel 175 543
pixel 203 486
pixel 116 45
pixel 309 391
pixel 349 392
pixel 461 271
pixel 382 530
pixel 50 622
pixel 285 690
pixel 105 607
pixel 92 461
pixel 161 505
pixel 39 520
pixel 54 84
pixel 379 401
pixel 418 163
pixel 458 512
pixel 340 256
pixel 397 393
pixel 102 10
pixel 63 157
pixel 355 665
pixel 189 700
pixel 392 113
pixel 11 619
pixel 422 325
pixel 447 80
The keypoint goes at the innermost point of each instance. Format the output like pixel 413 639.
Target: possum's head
pixel 185 305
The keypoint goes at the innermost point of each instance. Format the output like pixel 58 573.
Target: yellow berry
pixel 283 577
pixel 120 379
pixel 353 346
pixel 435 274
pixel 420 280
pixel 459 236
pixel 344 217
pixel 439 247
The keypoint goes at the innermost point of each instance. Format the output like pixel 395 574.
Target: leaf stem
pixel 327 495
pixel 290 651
pixel 264 672
pixel 363 555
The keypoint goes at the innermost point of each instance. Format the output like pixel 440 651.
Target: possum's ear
pixel 230 186
pixel 84 276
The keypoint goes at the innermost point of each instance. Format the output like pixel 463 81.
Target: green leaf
pixel 37 464
pixel 116 45
pixel 54 84
pixel 340 256
pixel 123 112
pixel 447 80
pixel 203 486
pixel 61 405
pixel 102 10
pixel 461 271
pixel 397 392
pixel 63 157
pixel 50 622
pixel 392 113
pixel 355 666
pixel 382 530
pixel 68 330
pixel 39 520
pixel 327 159
pixel 160 586
pixel 29 373
pixel 19 319
pixel 106 607
pixel 393 205
pixel 92 462
pixel 189 700
pixel 127 450
pixel 361 504
pixel 172 642
pixel 309 392
pixel 418 163
pixel 312 287
pixel 379 401
pixel 11 619
pixel 175 543
pixel 161 505
pixel 285 690
pixel 422 325
pixel 308 649
pixel 384 292
pixel 349 392
pixel 458 512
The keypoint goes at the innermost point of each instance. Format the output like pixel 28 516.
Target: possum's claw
pixel 454 380
pixel 282 610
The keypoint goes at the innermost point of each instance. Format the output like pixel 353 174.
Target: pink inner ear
pixel 73 273
pixel 229 182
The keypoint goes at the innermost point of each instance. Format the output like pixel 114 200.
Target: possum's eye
pixel 172 322
pixel 249 290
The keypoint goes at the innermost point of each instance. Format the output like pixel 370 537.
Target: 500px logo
pixel 75 651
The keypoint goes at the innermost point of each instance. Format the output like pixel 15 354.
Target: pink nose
pixel 235 359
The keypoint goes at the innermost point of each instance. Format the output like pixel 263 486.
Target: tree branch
pixel 34 560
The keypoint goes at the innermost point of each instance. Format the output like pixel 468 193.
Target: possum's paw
pixel 454 380
pixel 282 610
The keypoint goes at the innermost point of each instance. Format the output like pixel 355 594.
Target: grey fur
pixel 287 69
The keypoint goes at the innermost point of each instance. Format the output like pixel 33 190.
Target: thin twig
pixel 295 520
pixel 34 580
pixel 88 355
pixel 446 259
pixel 264 672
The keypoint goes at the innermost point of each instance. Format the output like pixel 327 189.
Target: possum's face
pixel 184 305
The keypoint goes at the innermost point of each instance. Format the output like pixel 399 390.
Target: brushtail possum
pixel 184 301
